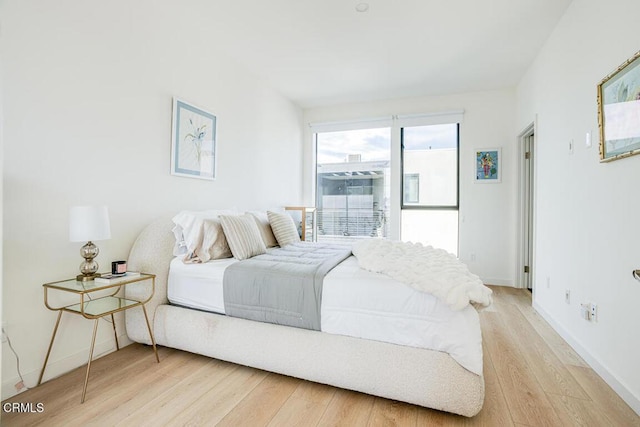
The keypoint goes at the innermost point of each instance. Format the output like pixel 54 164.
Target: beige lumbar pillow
pixel 214 242
pixel 262 221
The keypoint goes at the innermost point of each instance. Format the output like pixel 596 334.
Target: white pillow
pixel 283 228
pixel 262 221
pixel 242 235
pixel 188 230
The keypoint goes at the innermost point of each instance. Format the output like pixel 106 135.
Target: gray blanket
pixel 283 286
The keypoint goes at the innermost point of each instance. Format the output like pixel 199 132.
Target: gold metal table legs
pixel 46 359
pixel 115 334
pixel 153 340
pixel 93 342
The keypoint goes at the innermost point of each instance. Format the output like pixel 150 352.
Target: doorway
pixel 527 207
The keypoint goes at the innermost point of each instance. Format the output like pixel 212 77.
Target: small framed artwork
pixel 619 111
pixel 193 141
pixel 488 165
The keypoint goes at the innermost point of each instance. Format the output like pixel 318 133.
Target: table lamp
pixel 88 223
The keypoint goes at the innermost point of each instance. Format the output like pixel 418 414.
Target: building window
pixel 411 188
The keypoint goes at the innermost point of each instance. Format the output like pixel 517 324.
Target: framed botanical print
pixel 193 141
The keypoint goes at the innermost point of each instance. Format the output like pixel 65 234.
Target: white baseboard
pixel 55 368
pixel 497 282
pixel 626 394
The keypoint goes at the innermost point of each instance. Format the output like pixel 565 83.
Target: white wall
pixel 587 234
pixel 87 101
pixel 487 212
pixel 1 196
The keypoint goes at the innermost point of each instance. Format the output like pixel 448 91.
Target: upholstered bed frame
pixel 422 377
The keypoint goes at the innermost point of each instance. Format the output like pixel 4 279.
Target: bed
pixel 363 345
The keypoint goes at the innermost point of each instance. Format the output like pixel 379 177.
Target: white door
pixel 528 180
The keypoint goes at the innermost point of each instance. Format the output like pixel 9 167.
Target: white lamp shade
pixel 88 223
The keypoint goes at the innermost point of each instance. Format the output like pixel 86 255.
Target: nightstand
pixel 96 308
pixel 305 219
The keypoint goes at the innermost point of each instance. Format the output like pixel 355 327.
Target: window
pixel 392 177
pixel 352 183
pixel 430 159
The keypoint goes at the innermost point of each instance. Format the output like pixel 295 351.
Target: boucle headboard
pixel 151 253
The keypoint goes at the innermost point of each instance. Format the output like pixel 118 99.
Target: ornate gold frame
pixel 633 62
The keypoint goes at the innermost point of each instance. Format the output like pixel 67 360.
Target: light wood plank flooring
pixel 532 378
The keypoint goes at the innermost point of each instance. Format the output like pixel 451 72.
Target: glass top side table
pixel 97 308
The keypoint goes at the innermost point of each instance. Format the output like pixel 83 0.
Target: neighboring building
pixel 352 198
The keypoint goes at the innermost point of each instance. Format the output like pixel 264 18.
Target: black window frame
pixel 404 206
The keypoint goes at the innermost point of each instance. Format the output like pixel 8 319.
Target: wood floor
pixel 532 378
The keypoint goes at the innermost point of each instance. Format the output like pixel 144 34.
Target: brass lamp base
pixel 86 277
pixel 89 267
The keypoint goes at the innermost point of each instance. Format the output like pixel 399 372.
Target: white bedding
pixel 198 286
pixel 356 303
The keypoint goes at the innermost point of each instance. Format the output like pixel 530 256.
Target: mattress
pixel 355 303
pixel 198 286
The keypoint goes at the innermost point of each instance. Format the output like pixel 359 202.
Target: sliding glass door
pixel 390 177
pixel 430 197
pixel 352 183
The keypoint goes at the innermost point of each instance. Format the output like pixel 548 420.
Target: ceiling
pixel 324 52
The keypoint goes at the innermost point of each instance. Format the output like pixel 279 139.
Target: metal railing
pixel 352 222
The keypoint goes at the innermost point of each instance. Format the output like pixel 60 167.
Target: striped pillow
pixel 283 228
pixel 242 235
pixel 262 221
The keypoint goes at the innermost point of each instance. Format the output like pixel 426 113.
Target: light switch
pixel 587 140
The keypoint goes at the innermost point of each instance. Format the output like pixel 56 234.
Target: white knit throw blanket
pixel 425 268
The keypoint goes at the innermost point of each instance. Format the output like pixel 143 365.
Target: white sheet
pixel 356 303
pixel 198 286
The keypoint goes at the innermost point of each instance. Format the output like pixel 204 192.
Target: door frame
pixel 526 217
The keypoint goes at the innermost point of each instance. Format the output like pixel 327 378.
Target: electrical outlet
pixel 567 296
pixel 594 312
pixel 585 311
pixel 473 257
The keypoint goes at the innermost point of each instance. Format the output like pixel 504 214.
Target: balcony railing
pixel 352 223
